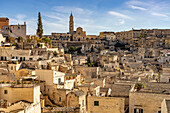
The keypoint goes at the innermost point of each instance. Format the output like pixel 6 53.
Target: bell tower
pixel 71 24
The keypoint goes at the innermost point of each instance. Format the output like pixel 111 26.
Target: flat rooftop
pixel 157 88
pixel 19 85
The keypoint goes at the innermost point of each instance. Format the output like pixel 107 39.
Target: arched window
pixel 1 57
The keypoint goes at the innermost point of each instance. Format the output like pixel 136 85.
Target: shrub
pixel 24 82
pixel 139 86
pixel 36 82
pixel 8 82
pixel 14 82
pixel 14 44
pixel 55 54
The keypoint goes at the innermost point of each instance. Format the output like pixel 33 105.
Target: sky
pixel 93 16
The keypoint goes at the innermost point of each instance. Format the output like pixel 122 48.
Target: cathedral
pixel 79 34
pixel 76 38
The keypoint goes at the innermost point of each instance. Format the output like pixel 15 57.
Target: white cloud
pixel 21 16
pixel 52 16
pixel 153 7
pixel 120 15
pixel 122 22
pixel 136 2
pixel 31 26
pixel 77 10
pixel 136 7
pixel 50 27
pixel 14 21
pixel 18 19
pixel 159 14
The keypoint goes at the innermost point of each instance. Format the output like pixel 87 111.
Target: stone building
pixel 105 104
pixel 9 53
pixel 2 39
pixel 88 72
pixel 107 35
pixel 165 106
pixel 79 35
pixel 61 36
pixel 121 90
pixel 108 58
pixel 28 95
pixel 149 98
pixel 3 22
pixel 165 74
pixel 13 67
pixel 71 24
pixel 165 57
pixel 167 42
pixel 92 88
pixel 92 37
pixel 77 99
pixel 14 31
pixel 60 96
pixel 126 36
pixel 50 76
pixel 129 36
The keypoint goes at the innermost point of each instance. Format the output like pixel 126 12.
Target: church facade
pixel 78 35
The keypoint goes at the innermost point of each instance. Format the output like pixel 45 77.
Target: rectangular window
pixel 5 92
pixel 59 80
pixel 83 103
pixel 138 110
pixel 96 103
pixel 59 99
pixel 1 57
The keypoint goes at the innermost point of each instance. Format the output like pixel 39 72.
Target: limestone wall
pixel 149 102
pixel 89 72
pixel 45 75
pixel 164 107
pixel 17 94
pixel 106 104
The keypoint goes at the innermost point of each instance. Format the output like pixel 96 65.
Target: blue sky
pixel 93 15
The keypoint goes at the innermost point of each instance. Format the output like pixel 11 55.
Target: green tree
pixel 40 26
pixel 20 39
pixel 55 54
pixel 29 40
pixel 143 35
pixel 14 44
pixel 88 60
pixel 47 41
pixel 39 45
